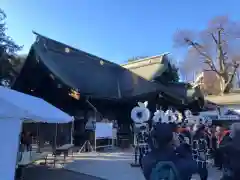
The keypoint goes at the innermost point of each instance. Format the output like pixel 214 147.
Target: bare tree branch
pixel 231 76
pixel 214 39
pixel 208 59
pixel 216 45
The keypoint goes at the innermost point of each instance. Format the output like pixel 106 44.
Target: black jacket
pixel 230 148
pixel 181 157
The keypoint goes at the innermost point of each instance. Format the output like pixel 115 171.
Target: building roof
pixel 77 69
pixel 149 68
pixel 96 76
pixel 90 74
pixel 152 59
pixel 152 69
pixel 227 99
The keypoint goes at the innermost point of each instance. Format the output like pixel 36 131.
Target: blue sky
pixel 113 29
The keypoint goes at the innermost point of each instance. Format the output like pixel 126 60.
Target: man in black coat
pixel 163 149
pixel 230 148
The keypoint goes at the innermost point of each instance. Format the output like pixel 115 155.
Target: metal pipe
pixel 95 114
pixel 92 106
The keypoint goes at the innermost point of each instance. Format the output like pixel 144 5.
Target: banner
pixel 104 130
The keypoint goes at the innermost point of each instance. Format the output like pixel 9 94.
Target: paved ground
pixel 45 173
pixel 90 166
pixel 111 166
pixel 116 166
pixel 214 174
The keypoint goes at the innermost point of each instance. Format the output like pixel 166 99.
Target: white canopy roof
pixel 14 104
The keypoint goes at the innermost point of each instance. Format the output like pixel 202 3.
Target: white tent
pixel 16 107
pixel 19 105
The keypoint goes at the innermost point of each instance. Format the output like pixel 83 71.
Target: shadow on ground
pixel 47 173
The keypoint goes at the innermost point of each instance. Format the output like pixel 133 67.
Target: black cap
pixel 162 133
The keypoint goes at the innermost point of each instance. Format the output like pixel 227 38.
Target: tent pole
pixel 38 138
pixel 19 144
pixel 72 131
pixel 95 116
pixel 55 138
pixel 19 153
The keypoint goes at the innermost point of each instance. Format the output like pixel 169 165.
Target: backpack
pixel 164 170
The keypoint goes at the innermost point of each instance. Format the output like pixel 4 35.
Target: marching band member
pixel 200 142
pixel 140 115
pixel 191 136
pixel 200 148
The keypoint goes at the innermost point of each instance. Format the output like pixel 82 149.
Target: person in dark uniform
pixel 200 149
pixel 164 150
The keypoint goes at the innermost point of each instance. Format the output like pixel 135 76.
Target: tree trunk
pixel 228 87
pixel 222 85
pixel 225 86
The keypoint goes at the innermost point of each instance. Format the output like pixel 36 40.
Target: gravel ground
pixel 46 173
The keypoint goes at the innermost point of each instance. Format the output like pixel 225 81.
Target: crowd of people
pixel 186 150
